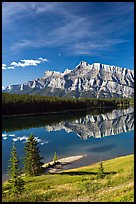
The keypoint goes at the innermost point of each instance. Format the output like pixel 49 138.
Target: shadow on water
pixel 26 122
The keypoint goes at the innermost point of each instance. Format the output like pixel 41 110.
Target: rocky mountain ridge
pixel 85 81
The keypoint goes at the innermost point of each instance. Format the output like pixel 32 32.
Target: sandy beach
pixel 50 167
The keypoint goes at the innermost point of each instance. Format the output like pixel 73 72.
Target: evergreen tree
pixel 32 163
pixel 55 158
pixel 16 183
pixel 100 172
pixel 24 103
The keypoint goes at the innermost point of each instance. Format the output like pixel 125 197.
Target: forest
pixel 18 104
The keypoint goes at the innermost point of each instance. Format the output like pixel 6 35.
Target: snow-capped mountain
pixel 85 81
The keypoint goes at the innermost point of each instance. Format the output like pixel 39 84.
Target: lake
pixel 101 134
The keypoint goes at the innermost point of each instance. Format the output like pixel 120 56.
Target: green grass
pixel 81 184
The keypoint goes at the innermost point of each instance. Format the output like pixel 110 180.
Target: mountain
pixel 85 81
pixel 98 126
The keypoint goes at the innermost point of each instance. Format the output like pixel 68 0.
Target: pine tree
pixel 100 172
pixel 55 158
pixel 32 163
pixel 16 183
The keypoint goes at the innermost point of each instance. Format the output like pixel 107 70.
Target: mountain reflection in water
pixel 101 125
pixel 71 134
pixel 95 124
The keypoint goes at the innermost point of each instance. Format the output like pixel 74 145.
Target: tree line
pixel 14 104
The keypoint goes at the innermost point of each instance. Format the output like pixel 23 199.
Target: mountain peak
pixel 83 63
pixel 67 71
pixel 85 81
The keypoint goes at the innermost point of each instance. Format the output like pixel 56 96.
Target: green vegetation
pixel 15 104
pixel 32 163
pixel 131 101
pixel 100 173
pixel 81 184
pixel 55 158
pixel 16 182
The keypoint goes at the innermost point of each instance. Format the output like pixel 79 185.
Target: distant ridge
pixel 84 81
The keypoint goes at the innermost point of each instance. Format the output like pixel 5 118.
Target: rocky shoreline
pixel 52 167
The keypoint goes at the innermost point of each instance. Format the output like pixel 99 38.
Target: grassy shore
pixel 81 184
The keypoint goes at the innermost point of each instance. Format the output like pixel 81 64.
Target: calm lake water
pixel 101 134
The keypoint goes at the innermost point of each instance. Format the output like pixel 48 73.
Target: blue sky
pixel 40 36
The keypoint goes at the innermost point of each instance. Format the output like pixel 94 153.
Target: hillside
pixel 81 184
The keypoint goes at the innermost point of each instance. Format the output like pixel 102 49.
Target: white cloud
pixel 11 10
pixel 26 63
pixel 15 139
pixel 12 67
pixel 72 28
pixel 79 30
pixel 4 66
pixel 4 135
pixel 11 135
pixel 43 60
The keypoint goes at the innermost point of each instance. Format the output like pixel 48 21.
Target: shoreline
pixel 59 112
pixel 43 113
pixel 55 168
pixel 51 167
pixel 80 184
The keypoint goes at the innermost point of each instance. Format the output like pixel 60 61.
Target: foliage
pixel 16 183
pixel 55 158
pixel 32 163
pixel 100 172
pixel 81 184
pixel 14 104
